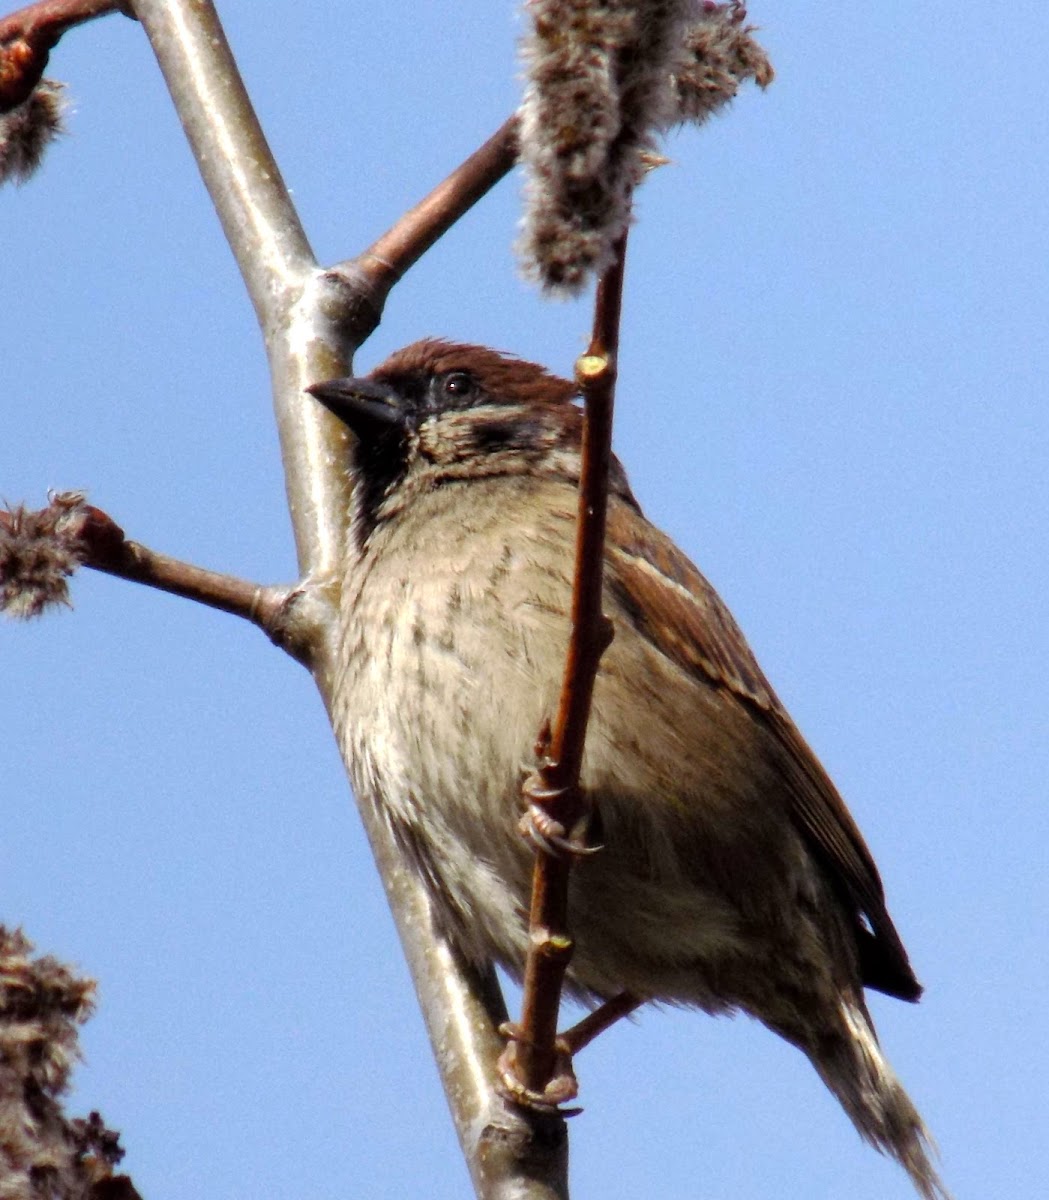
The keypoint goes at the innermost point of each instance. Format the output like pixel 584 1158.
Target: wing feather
pixel 682 614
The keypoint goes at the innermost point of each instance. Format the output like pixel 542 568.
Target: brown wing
pixel 681 613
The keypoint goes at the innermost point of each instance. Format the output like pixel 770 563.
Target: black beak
pixel 367 407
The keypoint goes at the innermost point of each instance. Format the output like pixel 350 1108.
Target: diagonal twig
pixel 374 272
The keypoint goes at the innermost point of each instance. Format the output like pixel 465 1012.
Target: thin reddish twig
pixel 533 1056
pixel 28 35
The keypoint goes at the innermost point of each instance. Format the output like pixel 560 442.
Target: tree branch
pixel 303 342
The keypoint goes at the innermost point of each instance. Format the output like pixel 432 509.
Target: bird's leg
pixel 563 1085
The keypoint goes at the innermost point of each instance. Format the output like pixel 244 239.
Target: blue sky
pixel 831 394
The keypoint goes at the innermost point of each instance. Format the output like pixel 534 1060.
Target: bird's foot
pixel 559 1089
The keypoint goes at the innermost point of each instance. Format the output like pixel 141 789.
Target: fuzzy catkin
pixel 28 130
pixel 42 1152
pixel 716 55
pixel 596 87
pixel 603 79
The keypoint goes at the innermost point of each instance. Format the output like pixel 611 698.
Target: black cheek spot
pixel 490 436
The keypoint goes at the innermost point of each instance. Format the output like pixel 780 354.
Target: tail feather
pixel 852 1065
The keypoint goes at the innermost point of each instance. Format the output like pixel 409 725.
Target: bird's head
pixel 437 413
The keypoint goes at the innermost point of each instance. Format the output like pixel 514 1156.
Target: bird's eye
pixel 458 384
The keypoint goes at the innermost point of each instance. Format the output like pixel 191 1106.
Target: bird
pixel 731 876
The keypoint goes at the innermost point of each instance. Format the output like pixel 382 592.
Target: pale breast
pixel 450 663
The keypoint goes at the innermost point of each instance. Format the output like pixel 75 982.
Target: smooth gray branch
pixel 312 322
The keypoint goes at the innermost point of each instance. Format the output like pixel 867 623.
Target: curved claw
pixel 548 835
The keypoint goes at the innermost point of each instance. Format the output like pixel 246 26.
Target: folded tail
pixel 851 1064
